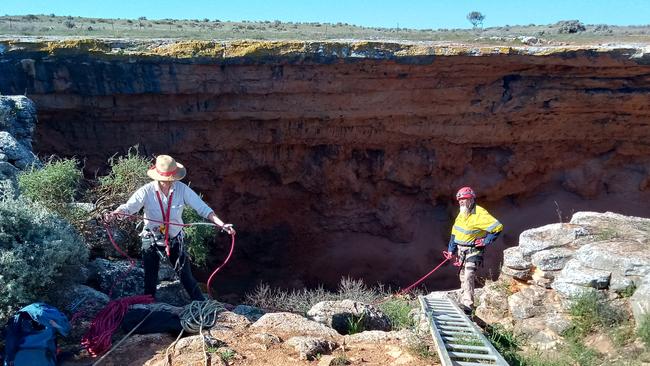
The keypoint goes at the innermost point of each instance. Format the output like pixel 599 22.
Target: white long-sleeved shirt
pixel 146 197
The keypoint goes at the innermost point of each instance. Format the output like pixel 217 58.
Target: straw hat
pixel 166 169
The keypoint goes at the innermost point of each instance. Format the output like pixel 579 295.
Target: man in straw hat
pixel 163 200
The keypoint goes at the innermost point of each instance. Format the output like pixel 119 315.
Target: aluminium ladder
pixel 458 340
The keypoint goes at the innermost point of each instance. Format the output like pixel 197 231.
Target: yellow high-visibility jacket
pixel 478 224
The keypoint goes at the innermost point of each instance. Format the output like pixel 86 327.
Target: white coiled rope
pixel 194 318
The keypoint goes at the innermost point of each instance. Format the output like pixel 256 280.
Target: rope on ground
pixel 194 318
pixel 98 338
pixel 123 339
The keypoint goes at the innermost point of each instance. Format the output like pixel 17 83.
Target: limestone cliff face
pixel 343 158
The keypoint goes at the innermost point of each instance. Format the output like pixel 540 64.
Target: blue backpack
pixel 31 335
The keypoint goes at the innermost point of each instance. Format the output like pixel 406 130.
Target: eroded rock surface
pixel 313 145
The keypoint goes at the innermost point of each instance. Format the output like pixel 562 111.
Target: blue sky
pixel 377 13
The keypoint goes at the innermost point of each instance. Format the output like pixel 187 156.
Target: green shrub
pixel 398 310
pixel 644 330
pixel 55 185
pixel 417 347
pixel 622 334
pixel 127 174
pixel 589 312
pixel 226 354
pixel 581 354
pixel 506 343
pixel 356 324
pixel 199 238
pixel 39 254
pixel 340 360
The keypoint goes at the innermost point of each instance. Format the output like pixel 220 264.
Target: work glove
pixel 480 243
pixel 447 255
pixel 229 228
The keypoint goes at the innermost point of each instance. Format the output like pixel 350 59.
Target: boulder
pixel 172 292
pixel 250 312
pixel 189 351
pixel 105 275
pixel 232 320
pixel 379 336
pixel 83 303
pixel 552 259
pixel 341 314
pixel 569 290
pixel 546 237
pixel 292 323
pixel 640 301
pixel 493 305
pixel 626 257
pixel 266 340
pixel 18 118
pixel 309 347
pixel 576 273
pixel 520 274
pixel 514 259
pixel 17 122
pixel 527 302
pixel 19 155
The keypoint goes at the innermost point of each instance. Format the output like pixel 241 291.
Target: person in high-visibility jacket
pixel 474 229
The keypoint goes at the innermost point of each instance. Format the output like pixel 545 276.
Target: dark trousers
pixel 151 255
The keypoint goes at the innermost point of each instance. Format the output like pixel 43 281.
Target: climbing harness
pixel 165 215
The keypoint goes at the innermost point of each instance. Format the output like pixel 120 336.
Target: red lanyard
pixel 165 217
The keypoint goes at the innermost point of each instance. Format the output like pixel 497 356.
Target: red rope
pixel 406 290
pixel 131 260
pixel 232 248
pixel 98 339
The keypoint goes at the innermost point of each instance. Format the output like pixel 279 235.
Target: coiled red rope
pixel 98 339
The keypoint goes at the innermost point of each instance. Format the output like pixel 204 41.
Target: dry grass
pixel 208 29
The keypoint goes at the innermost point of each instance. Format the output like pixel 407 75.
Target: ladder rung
pixel 443 332
pixel 468 338
pixel 451 321
pixel 467 346
pixel 479 356
pixel 449 316
pixel 467 363
pixel 465 328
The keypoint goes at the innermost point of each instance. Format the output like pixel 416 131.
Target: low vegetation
pixel 40 253
pixel 216 29
pixel 397 309
pixel 301 300
pixel 644 330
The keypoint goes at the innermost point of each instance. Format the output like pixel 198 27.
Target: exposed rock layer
pixel 304 148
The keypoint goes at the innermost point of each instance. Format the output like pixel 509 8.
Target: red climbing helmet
pixel 464 193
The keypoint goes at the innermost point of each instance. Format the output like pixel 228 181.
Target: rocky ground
pixel 273 339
